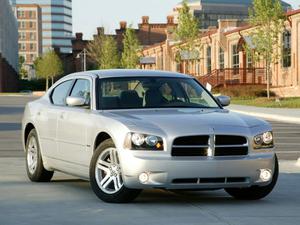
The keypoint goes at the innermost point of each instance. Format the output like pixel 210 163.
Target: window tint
pixel 59 94
pixel 82 89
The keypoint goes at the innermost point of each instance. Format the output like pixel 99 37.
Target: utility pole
pixel 83 53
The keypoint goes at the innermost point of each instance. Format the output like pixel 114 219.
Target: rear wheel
pixel 255 192
pixel 34 163
pixel 106 176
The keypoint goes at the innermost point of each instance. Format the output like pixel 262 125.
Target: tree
pixel 187 31
pixel 130 57
pixel 104 52
pixel 22 72
pixel 48 66
pixel 267 17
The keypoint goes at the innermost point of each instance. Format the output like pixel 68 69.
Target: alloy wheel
pixel 32 155
pixel 108 171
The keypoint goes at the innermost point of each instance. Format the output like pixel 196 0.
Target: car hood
pixel 186 120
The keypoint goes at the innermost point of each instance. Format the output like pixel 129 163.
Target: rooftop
pixel 238 2
pixel 130 73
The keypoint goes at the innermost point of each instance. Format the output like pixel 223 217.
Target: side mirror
pixel 75 101
pixel 224 100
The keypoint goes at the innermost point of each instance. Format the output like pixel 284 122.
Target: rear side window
pixel 60 93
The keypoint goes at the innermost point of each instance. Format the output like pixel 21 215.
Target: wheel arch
pixel 102 136
pixel 28 128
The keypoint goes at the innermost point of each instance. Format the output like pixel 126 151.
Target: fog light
pixel 144 177
pixel 265 175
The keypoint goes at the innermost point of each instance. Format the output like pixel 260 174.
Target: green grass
pixel 270 103
pixel 12 93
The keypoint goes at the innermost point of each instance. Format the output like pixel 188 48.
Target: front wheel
pixel 34 162
pixel 255 192
pixel 106 177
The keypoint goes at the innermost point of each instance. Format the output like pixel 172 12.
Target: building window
pixel 20 14
pixel 30 14
pixel 30 24
pixel 286 49
pixel 208 59
pixel 249 60
pixel 22 46
pixel 22 35
pixel 235 57
pixel 21 24
pixel 32 36
pixel 31 47
pixel 221 58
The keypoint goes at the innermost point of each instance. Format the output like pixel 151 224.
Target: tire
pixel 255 192
pixel 34 162
pixel 106 177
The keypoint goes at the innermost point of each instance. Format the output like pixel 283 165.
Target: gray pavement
pixel 274 114
pixel 287 140
pixel 11 110
pixel 69 200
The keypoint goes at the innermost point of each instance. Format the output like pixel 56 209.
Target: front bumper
pixel 189 172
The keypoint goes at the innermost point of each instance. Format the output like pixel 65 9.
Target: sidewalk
pixel 283 115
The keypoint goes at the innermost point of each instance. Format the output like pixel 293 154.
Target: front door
pixel 47 119
pixel 72 127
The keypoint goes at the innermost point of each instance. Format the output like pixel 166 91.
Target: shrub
pixel 243 91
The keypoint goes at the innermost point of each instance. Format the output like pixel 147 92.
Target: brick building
pixel 147 33
pixel 30 34
pixel 222 58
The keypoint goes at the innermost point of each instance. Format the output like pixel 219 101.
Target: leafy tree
pixel 267 17
pixel 22 72
pixel 104 52
pixel 187 30
pixel 48 66
pixel 130 57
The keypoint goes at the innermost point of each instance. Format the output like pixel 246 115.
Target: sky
pixel 90 14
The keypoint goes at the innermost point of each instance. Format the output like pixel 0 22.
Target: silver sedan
pixel 128 130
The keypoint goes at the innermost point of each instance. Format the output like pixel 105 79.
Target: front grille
pixel 211 180
pixel 210 145
pixel 190 146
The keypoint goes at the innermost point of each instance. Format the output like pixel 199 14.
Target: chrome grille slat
pixel 190 146
pixel 210 145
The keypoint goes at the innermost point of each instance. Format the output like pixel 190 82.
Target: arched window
pixel 286 49
pixel 221 58
pixel 208 59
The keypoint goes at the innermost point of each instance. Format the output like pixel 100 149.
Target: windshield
pixel 153 92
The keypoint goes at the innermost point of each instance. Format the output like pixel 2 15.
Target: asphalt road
pixel 287 136
pixel 68 200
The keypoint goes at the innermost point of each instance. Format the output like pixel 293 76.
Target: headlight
pixel 264 140
pixel 137 141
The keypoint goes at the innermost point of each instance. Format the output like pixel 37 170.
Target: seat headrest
pixel 130 99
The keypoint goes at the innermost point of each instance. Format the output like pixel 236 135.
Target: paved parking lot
pixel 68 200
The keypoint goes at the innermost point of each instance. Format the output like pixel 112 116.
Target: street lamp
pixel 83 53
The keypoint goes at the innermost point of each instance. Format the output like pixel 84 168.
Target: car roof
pixel 129 73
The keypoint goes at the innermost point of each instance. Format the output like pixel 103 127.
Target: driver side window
pixel 82 89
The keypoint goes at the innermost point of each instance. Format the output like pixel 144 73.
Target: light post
pixel 83 53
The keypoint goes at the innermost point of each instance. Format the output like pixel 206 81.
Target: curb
pixel 289 166
pixel 270 116
pixel 298 162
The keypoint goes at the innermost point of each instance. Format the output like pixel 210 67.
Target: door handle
pixel 62 115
